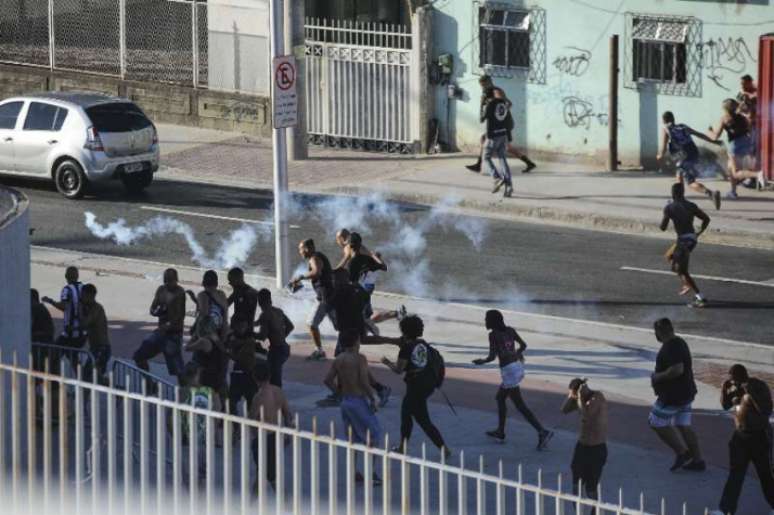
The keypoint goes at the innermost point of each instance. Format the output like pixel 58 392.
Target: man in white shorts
pixel 675 389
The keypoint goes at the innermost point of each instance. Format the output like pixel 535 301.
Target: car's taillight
pixel 155 135
pixel 93 141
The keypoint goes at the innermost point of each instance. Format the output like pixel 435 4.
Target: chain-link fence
pixel 146 40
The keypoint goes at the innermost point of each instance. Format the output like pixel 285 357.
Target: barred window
pixel 503 37
pixel 659 50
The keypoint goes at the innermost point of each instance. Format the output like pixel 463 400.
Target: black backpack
pixel 436 367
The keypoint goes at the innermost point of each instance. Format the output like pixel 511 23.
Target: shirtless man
pixel 267 405
pixel 349 379
pixel 682 213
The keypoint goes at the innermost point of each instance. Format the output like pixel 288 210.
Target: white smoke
pixel 233 250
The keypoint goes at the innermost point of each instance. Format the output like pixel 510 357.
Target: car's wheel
pixel 70 179
pixel 137 182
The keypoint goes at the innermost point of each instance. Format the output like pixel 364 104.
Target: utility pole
pixel 612 115
pixel 279 153
pixel 295 40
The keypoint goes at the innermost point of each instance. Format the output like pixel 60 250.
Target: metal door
pixel 358 85
pixel 766 104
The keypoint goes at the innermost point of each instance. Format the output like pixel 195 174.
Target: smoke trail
pixel 233 250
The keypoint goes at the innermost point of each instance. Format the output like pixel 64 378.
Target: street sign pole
pixel 279 152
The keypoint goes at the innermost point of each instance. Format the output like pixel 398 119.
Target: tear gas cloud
pixel 233 250
pixel 405 250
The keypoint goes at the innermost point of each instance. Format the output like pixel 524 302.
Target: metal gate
pixel 359 85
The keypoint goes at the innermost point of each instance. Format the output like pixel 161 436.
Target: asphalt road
pixel 525 267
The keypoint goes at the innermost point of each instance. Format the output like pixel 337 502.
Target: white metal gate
pixel 359 84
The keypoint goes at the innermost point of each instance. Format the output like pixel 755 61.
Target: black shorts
pixel 587 464
pixel 681 257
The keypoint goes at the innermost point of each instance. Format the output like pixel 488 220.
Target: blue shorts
pixel 741 147
pixel 357 414
pixel 662 415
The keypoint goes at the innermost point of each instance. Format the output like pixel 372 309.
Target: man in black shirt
pixel 750 398
pixel 489 91
pixel 244 297
pixel 682 214
pixel 275 327
pixel 496 117
pixel 321 275
pixel 675 390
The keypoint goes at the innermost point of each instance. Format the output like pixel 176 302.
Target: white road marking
pixel 207 215
pixel 402 296
pixel 769 284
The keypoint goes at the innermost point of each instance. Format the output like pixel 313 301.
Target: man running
pixel 366 267
pixel 590 453
pixel 244 297
pixel 675 390
pixel 321 275
pixel 502 345
pixel 169 307
pixel 413 361
pixel 750 398
pixel 682 213
pixel 496 118
pixel 678 139
pixel 489 91
pixel 348 378
pixel 275 327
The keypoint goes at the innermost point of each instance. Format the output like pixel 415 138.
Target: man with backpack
pixel 209 334
pixel 424 371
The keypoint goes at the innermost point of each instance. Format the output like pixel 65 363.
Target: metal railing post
pixel 122 38
pixel 195 43
pixel 51 36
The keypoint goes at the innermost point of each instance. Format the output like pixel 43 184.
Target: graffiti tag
pixel 580 113
pixel 574 64
pixel 724 56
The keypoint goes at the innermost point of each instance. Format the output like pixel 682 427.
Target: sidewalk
pixel 560 193
pixel 617 360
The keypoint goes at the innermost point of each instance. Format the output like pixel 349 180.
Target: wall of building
pixel 562 106
pixel 14 275
pixel 238 41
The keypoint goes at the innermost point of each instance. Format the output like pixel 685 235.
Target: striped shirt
pixel 71 296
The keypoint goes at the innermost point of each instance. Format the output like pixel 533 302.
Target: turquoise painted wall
pixel 567 112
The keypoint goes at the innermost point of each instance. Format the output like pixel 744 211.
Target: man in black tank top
pixel 321 275
pixel 682 214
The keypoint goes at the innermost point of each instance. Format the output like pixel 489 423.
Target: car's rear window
pixel 118 117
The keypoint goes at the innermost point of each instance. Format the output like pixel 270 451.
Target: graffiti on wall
pixel 725 59
pixel 581 113
pixel 574 63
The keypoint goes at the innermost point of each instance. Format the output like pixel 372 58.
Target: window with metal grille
pixel 503 37
pixel 659 50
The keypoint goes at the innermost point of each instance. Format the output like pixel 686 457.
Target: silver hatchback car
pixel 78 138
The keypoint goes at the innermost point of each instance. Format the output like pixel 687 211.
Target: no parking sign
pixel 284 99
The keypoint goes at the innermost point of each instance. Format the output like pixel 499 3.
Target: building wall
pixel 562 108
pixel 238 45
pixel 14 276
